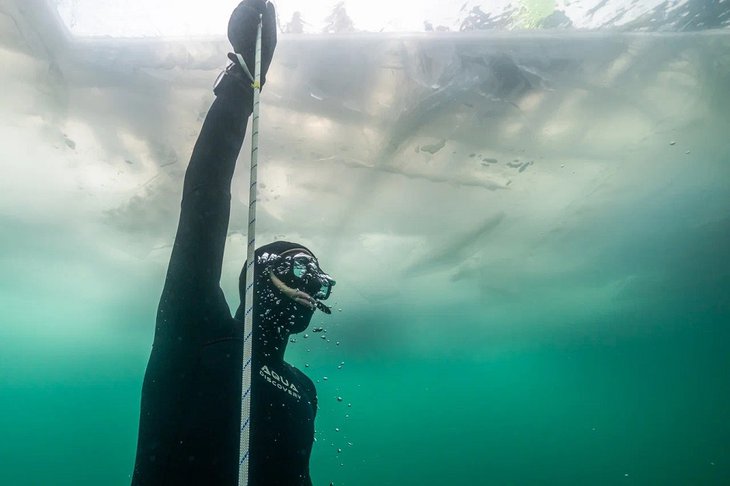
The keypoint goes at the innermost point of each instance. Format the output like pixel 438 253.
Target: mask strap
pixel 298 250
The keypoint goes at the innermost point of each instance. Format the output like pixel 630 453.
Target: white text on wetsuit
pixel 279 381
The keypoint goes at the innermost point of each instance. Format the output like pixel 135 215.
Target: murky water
pixel 529 232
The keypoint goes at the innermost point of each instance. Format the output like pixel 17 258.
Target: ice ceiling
pixel 468 170
pixel 174 18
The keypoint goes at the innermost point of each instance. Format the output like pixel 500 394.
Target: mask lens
pixel 312 279
pixel 324 292
pixel 306 269
pixel 299 268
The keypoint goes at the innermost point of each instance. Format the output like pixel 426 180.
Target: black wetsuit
pixel 191 397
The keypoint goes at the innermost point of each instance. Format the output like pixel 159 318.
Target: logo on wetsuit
pixel 279 381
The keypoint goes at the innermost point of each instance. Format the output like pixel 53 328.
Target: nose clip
pixel 322 307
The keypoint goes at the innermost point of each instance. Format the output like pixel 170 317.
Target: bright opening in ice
pixel 170 18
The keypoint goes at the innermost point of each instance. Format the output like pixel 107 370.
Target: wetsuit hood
pixel 269 302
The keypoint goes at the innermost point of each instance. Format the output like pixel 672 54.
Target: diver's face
pixel 298 308
pixel 294 292
pixel 280 314
pixel 298 286
pixel 300 277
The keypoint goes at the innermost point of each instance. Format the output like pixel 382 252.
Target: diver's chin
pixel 301 324
pixel 299 329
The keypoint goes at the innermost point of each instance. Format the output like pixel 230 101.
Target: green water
pixel 581 409
pixel 632 397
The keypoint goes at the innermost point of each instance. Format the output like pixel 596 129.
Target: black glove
pixel 242 30
pixel 258 5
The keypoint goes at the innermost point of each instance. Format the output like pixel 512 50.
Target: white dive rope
pixel 244 446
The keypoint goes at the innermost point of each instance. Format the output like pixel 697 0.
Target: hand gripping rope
pixel 244 445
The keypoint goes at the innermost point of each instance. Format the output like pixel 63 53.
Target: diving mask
pixel 300 269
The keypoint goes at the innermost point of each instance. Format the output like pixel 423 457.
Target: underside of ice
pixel 466 167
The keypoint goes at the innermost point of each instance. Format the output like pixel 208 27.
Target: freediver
pixel 191 395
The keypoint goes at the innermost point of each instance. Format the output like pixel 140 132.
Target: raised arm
pixel 192 286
